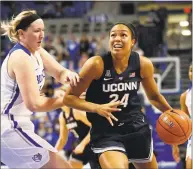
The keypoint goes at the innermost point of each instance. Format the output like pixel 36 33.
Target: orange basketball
pixel 174 127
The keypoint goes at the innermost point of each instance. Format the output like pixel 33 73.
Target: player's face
pixel 34 35
pixel 190 72
pixel 120 41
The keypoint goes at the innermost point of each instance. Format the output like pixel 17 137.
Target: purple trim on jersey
pixel 12 102
pixel 14 122
pixel 23 133
pixel 19 46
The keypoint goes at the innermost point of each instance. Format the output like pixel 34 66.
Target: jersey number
pixel 124 100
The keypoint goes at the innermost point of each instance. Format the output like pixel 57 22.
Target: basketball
pixel 174 127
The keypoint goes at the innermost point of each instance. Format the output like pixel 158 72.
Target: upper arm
pixel 26 80
pixel 51 66
pixel 91 70
pixel 183 103
pixel 148 81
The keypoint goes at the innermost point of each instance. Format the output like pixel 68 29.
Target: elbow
pixel 32 107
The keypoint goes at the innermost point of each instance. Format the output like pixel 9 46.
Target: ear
pixel 20 32
pixel 133 42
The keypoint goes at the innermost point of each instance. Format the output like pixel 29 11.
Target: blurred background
pixel 78 30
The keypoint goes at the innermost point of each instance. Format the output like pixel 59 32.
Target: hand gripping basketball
pixel 174 127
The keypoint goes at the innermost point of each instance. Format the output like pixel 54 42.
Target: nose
pixel 42 35
pixel 117 38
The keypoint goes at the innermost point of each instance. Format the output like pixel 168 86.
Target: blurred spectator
pixel 84 57
pixel 102 45
pixel 84 44
pixel 92 46
pixel 48 37
pixel 51 49
pixel 74 52
pixel 148 37
pixel 63 55
pixel 162 14
pixel 59 9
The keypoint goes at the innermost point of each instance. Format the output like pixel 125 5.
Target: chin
pixel 117 55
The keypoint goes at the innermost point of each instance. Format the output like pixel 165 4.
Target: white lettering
pixel 119 87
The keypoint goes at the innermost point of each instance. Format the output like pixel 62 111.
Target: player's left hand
pixel 79 149
pixel 175 153
pixel 71 77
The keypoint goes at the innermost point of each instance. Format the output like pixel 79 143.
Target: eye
pixel 124 35
pixel 113 35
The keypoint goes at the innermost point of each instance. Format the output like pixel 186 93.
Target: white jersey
pixel 18 141
pixel 188 101
pixel 188 104
pixel 11 99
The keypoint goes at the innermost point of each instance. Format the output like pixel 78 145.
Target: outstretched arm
pixel 54 69
pixel 150 86
pixel 27 83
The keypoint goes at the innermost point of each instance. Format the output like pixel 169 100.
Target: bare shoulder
pixel 146 67
pixel 183 95
pixel 95 61
pixel 145 62
pixel 18 54
pixel 95 65
pixel 19 58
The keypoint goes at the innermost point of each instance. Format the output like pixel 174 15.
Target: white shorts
pixel 188 150
pixel 20 146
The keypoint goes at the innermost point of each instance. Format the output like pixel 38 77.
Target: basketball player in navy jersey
pixel 22 78
pixel 117 76
pixel 75 121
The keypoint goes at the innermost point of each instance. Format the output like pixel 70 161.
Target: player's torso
pixel 79 129
pixel 113 87
pixel 12 102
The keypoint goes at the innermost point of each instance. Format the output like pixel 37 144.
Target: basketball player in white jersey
pixel 185 103
pixel 22 78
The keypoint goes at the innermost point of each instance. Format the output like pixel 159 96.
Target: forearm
pixel 60 143
pixel 80 104
pixel 46 104
pixel 160 103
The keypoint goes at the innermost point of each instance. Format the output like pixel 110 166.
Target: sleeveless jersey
pixel 78 127
pixel 12 101
pixel 113 87
pixel 188 101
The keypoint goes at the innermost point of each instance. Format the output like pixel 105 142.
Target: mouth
pixel 117 46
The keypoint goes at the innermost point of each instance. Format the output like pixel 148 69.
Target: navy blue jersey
pixel 81 129
pixel 113 87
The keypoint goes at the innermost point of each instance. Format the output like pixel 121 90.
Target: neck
pixel 27 47
pixel 121 64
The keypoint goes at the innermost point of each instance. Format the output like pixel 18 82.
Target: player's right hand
pixel 105 110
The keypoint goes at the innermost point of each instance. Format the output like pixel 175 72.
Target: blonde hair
pixel 10 26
